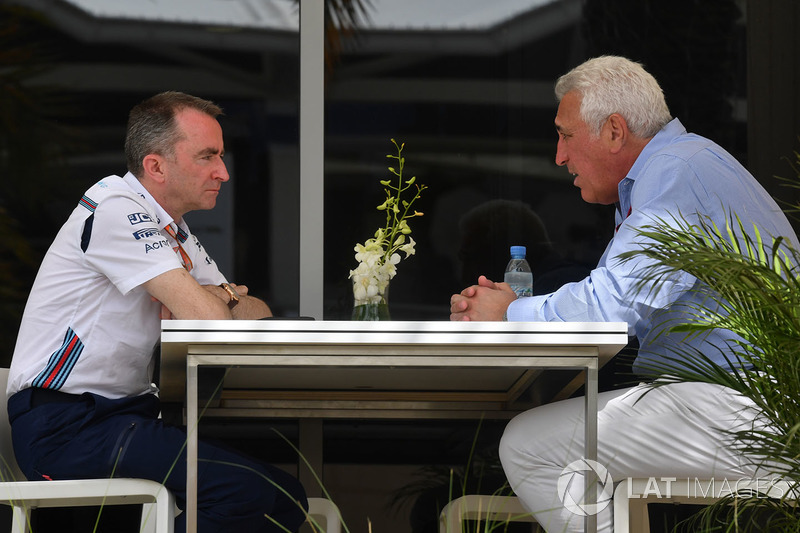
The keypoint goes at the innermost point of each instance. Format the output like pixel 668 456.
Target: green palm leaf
pixel 751 286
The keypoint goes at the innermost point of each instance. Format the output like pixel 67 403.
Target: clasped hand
pixel 485 301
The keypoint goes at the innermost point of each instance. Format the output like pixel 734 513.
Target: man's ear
pixel 616 132
pixel 153 165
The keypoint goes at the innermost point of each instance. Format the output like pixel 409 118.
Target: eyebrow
pixel 210 151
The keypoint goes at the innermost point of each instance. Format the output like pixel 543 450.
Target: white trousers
pixel 674 430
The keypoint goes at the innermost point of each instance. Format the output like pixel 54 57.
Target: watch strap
pixel 234 301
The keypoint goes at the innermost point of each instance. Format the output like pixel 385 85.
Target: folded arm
pixel 183 298
pixel 248 308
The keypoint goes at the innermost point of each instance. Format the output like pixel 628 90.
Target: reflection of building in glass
pixel 467 84
pixel 488 231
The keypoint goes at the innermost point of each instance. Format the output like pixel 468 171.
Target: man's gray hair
pixel 152 128
pixel 611 84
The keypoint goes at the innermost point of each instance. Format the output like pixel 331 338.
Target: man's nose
pixel 222 172
pixel 561 155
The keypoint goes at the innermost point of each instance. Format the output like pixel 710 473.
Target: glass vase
pixel 371 310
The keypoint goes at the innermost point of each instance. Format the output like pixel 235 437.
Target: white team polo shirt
pixel 88 325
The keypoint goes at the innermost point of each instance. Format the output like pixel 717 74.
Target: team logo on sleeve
pixel 145 233
pixel 138 218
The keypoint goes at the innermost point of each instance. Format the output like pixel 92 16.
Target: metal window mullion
pixel 312 143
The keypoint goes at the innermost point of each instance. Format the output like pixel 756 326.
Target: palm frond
pixel 750 286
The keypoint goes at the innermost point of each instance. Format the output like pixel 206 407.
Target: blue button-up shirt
pixel 677 175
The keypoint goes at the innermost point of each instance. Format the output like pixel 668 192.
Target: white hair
pixel 611 84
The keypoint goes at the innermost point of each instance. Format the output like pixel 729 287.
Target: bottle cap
pixel 518 252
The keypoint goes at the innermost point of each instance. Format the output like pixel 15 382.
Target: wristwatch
pixel 232 293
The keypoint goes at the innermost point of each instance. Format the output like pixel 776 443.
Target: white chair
pixel 325 514
pixel 482 507
pixel 158 513
pixel 632 496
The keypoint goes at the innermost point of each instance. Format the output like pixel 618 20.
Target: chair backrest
pixel 9 471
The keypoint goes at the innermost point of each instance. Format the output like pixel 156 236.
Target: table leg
pixel 590 436
pixel 191 446
pixel 311 462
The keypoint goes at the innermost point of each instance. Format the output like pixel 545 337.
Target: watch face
pixel 232 293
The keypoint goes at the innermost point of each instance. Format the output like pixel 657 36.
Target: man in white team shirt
pixel 81 401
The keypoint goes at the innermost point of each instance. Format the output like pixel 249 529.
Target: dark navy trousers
pixel 62 436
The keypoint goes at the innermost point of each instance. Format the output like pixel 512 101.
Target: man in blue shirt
pixel 617 138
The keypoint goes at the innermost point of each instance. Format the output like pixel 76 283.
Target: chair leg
pixel 165 512
pixel 149 517
pixel 451 518
pixel 326 509
pixel 159 517
pixel 621 510
pixel 482 507
pixel 630 510
pixel 21 517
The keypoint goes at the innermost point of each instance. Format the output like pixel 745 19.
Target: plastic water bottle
pixel 518 273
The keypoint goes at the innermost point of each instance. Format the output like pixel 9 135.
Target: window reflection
pixel 470 93
pixel 468 87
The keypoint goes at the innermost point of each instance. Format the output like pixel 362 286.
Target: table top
pixel 604 335
pixel 477 363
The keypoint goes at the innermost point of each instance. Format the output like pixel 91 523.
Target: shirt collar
pixel 164 219
pixel 665 136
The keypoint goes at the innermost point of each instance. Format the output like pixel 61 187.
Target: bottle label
pixel 522 290
pixel 520 282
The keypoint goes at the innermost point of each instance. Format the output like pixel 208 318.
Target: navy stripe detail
pixel 61 363
pixel 87 232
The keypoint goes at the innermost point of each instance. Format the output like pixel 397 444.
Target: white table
pixel 378 369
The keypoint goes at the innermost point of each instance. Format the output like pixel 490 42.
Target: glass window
pixel 467 86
